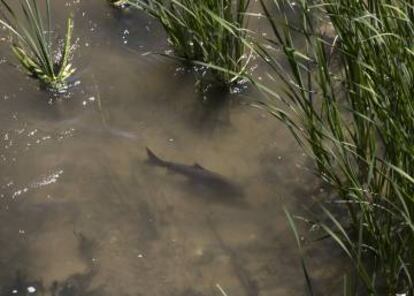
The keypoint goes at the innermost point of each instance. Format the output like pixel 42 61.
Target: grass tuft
pixel 209 34
pixel 32 42
pixel 350 91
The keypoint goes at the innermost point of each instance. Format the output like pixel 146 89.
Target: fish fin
pixel 196 165
pixel 152 157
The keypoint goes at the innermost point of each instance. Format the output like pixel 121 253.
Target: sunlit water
pixel 83 211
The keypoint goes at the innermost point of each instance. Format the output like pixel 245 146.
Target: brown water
pixel 82 211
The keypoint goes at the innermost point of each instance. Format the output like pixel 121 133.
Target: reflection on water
pixel 83 211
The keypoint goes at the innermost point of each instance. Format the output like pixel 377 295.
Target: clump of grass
pixel 32 42
pixel 351 107
pixel 208 33
pixel 119 3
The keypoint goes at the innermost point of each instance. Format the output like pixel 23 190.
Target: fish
pixel 209 182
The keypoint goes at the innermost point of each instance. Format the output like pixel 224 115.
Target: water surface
pixel 82 212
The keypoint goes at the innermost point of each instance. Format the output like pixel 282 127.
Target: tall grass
pixel 210 33
pixel 350 102
pixel 32 42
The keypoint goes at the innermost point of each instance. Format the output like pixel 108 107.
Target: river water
pixel 83 211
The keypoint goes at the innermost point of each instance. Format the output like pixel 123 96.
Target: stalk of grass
pixel 32 42
pixel 207 33
pixel 295 231
pixel 351 107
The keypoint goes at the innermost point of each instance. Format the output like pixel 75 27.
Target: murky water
pixel 83 211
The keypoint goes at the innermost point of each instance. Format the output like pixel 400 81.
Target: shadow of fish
pixel 207 181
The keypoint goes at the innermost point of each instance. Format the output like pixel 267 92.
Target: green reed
pixel 349 89
pixel 208 33
pixel 32 43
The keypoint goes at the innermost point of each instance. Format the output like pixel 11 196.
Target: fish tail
pixel 152 157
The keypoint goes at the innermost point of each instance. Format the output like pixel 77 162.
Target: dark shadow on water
pixel 214 105
pixel 214 110
pixel 233 196
pixel 22 286
pixel 75 285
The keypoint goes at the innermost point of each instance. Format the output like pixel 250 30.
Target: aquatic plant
pixel 348 99
pixel 209 33
pixel 118 3
pixel 32 42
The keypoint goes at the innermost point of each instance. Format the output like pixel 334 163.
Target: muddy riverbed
pixel 84 212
